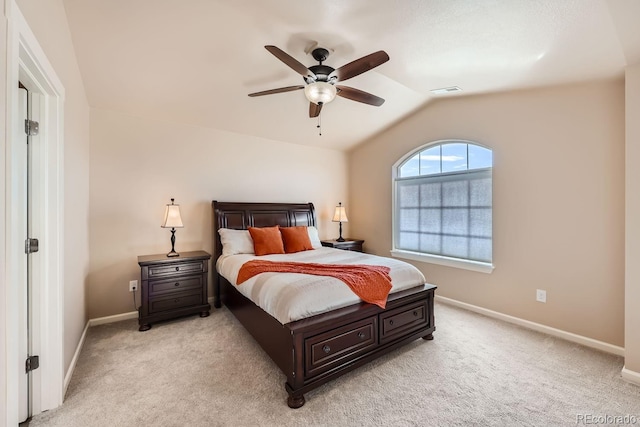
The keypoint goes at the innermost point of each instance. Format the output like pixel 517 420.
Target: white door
pixel 22 148
pixel 25 183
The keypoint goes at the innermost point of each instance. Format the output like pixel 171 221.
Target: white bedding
pixel 294 296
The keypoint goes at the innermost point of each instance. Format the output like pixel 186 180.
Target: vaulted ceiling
pixel 195 61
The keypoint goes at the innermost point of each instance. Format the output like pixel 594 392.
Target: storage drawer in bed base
pixel 404 320
pixel 333 348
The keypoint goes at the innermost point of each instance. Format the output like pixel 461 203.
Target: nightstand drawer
pixel 177 285
pixel 174 301
pixel 175 269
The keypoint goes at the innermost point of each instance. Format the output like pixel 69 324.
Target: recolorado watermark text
pixel 592 419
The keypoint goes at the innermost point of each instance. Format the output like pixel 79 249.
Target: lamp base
pixel 173 244
pixel 340 239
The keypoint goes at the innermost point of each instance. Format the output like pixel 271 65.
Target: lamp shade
pixel 320 92
pixel 340 214
pixel 172 218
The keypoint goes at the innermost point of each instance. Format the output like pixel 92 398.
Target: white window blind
pixel 446 214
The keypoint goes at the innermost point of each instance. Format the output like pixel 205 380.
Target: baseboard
pixel 631 376
pixel 122 316
pixel 74 361
pixel 589 342
pixel 114 318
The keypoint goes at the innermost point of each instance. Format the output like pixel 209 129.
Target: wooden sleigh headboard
pixel 242 215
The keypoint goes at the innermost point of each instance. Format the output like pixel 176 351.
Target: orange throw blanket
pixel 371 283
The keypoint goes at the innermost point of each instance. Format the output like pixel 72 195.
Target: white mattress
pixel 294 296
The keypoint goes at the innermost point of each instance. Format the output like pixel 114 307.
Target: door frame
pixel 27 62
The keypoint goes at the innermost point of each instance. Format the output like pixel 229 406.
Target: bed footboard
pixel 313 351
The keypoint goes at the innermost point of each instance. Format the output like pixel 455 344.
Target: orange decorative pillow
pixel 296 239
pixel 266 240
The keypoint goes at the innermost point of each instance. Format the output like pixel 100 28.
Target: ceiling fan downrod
pixel 319 126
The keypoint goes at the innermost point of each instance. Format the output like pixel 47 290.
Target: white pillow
pixel 235 241
pixel 313 236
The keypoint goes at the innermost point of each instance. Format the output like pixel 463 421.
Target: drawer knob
pixel 176 300
pixel 415 313
pixel 361 335
pixel 326 349
pixel 178 284
pixel 391 322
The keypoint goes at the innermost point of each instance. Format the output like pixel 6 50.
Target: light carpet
pixel 210 372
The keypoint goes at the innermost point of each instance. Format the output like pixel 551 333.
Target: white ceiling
pixel 195 61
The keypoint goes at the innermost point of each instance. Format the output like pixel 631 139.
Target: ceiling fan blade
pixel 314 109
pixel 290 61
pixel 279 90
pixel 361 65
pixel 359 95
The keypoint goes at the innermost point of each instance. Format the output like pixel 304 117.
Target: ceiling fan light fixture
pixel 320 92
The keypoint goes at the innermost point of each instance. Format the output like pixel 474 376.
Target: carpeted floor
pixel 210 372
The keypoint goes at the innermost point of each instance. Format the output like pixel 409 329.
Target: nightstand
pixel 347 245
pixel 173 287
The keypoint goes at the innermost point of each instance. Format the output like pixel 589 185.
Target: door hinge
pixel 33 362
pixel 31 127
pixel 31 246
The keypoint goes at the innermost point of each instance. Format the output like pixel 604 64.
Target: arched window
pixel 443 205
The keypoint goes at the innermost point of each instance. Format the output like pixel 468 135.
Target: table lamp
pixel 172 220
pixel 340 215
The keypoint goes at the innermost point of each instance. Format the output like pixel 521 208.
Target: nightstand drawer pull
pixel 177 268
pixel 415 313
pixel 326 349
pixel 178 284
pixel 361 335
pixel 391 322
pixel 176 300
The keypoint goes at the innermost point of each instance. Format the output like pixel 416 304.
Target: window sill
pixel 482 267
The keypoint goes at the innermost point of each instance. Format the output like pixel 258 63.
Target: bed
pixel 314 350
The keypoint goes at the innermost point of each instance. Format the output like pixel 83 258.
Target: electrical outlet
pixel 133 285
pixel 541 295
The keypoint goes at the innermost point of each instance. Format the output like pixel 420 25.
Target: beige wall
pixel 632 268
pixel 137 165
pixel 48 22
pixel 558 184
pixel 4 289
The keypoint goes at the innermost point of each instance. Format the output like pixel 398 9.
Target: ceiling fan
pixel 321 80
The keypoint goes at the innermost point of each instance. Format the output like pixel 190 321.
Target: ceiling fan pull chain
pixel 319 124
